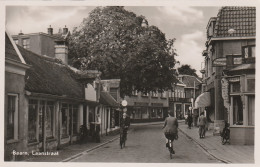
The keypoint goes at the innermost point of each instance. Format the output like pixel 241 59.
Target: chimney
pixel 65 30
pixel 50 30
pixel 20 33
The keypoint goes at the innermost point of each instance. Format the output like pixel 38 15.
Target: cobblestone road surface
pixel 146 144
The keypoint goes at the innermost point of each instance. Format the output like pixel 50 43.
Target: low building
pixel 147 107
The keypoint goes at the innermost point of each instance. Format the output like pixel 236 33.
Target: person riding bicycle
pixel 125 123
pixel 170 129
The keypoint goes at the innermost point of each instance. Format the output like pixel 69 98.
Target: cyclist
pixel 125 123
pixel 170 129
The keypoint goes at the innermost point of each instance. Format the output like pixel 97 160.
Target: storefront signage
pixel 235 79
pixel 224 83
pixel 157 104
pixel 237 60
pixel 219 62
pixel 141 104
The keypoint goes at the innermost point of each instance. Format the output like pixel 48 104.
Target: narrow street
pixel 146 144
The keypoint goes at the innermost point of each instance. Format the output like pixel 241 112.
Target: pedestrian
pixel 170 129
pixel 189 120
pixel 202 125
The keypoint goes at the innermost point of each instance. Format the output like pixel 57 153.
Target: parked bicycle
pixel 225 134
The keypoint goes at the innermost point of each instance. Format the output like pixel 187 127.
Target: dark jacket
pixel 170 125
pixel 202 120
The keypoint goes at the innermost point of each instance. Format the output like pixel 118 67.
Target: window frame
pixel 15 117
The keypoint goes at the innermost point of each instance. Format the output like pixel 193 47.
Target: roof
pixel 10 51
pixel 189 80
pixel 107 99
pixel 49 76
pixel 241 19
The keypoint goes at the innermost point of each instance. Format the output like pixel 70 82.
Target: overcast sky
pixel 186 24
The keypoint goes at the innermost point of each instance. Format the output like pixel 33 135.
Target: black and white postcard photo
pixel 129 84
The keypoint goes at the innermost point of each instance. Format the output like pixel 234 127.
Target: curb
pixel 204 148
pixel 91 149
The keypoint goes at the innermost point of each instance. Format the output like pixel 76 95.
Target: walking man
pixel 202 125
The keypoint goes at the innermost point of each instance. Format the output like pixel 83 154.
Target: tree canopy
pixel 186 69
pixel 122 46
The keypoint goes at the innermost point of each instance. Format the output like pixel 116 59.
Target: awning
pixel 107 99
pixel 203 100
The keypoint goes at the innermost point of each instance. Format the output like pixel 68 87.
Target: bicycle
pixel 225 134
pixel 123 136
pixel 170 148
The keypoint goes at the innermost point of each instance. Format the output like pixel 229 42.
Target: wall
pixel 47 46
pixel 242 135
pixel 14 83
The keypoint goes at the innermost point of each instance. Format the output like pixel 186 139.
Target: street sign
pixel 219 62
pixel 124 103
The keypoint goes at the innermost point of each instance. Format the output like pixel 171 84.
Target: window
pixel 154 94
pixel 248 51
pixel 12 117
pixel 237 110
pixel 113 93
pixel 251 110
pixel 251 85
pixel 16 41
pixel 26 43
pixel 164 94
pixel 75 119
pixel 64 120
pixel 235 87
pixel 49 119
pixel 134 92
pixel 32 120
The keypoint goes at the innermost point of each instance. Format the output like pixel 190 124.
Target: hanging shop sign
pixel 224 84
pixel 237 60
pixel 219 62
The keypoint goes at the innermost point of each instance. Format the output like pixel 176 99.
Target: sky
pixel 186 24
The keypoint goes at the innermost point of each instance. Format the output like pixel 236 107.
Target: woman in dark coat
pixel 189 119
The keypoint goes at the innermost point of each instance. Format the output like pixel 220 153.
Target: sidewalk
pixel 213 146
pixel 72 151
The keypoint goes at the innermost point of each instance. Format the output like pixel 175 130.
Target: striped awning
pixel 203 100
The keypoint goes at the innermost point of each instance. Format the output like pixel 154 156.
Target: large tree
pixel 122 46
pixel 186 69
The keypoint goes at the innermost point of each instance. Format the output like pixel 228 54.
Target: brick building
pixel 229 73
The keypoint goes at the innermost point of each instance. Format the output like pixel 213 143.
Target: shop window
pixel 237 110
pixel 12 117
pixel 75 119
pixel 235 87
pixel 32 120
pixel 159 113
pixel 145 114
pixel 64 120
pixel 153 113
pixel 137 114
pixel 251 110
pixel 251 85
pixel 49 119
